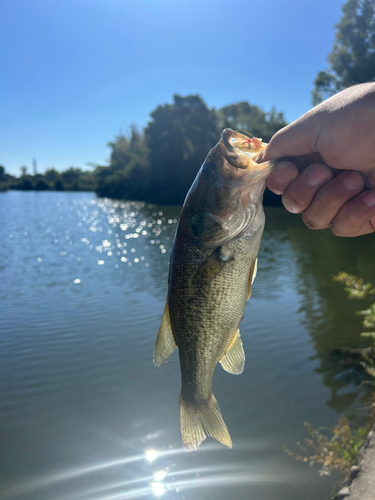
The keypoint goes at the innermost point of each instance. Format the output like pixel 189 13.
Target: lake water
pixel 82 290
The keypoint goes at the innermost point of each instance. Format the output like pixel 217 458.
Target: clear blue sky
pixel 75 72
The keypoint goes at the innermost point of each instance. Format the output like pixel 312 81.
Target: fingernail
pixel 369 198
pixel 352 181
pixel 284 174
pixel 317 175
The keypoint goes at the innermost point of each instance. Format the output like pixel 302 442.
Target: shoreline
pixel 361 482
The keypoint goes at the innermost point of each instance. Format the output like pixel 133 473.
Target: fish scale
pixel 212 267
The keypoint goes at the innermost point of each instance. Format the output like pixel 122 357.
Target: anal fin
pixel 234 359
pixel 165 343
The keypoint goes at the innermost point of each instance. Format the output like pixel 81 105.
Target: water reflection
pixel 327 313
pixel 148 481
pixel 82 290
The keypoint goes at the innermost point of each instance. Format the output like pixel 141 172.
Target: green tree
pixel 127 176
pixel 51 175
pixel 2 172
pixel 244 116
pixel 71 176
pixel 23 170
pixel 159 165
pixel 352 58
pixel 179 137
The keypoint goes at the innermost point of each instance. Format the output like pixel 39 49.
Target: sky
pixel 76 73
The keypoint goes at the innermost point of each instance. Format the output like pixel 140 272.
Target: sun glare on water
pixel 159 476
pixel 151 455
pixel 158 489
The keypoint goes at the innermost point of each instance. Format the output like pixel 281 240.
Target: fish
pixel 212 268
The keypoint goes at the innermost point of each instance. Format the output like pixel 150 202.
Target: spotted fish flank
pixel 212 268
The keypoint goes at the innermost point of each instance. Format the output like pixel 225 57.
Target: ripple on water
pixel 82 290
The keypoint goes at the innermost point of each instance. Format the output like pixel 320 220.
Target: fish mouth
pixel 242 152
pixel 236 141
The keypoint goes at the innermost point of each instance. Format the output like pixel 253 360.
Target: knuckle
pixel 274 187
pixel 329 202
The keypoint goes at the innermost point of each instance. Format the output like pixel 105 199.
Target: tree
pixel 244 116
pixel 179 137
pixel 127 176
pixel 71 176
pixel 159 164
pixel 352 58
pixel 51 175
pixel 23 170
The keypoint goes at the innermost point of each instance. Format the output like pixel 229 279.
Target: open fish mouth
pixel 241 152
pixel 235 142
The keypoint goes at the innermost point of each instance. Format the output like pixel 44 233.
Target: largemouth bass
pixel 212 268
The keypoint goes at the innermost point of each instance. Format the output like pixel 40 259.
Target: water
pixel 82 291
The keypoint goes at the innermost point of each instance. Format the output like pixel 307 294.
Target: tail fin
pixel 198 422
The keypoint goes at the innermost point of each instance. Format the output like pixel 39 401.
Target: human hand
pixel 337 135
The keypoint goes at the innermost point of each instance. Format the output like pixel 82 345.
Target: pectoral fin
pixel 165 343
pixel 252 274
pixel 234 359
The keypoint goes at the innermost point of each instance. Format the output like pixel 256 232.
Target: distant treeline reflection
pixel 159 163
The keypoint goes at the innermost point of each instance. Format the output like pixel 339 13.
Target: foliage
pixel 244 116
pixel 358 289
pixel 336 453
pixel 72 179
pixel 340 452
pixel 352 58
pixel 5 179
pixel 128 173
pixel 159 164
pixel 179 138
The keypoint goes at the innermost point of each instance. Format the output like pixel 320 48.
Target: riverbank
pixel 361 485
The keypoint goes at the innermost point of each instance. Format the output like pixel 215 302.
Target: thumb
pixel 296 139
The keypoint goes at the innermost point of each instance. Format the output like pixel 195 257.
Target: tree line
pixel 72 179
pixel 159 163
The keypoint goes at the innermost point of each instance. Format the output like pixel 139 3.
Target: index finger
pixel 296 139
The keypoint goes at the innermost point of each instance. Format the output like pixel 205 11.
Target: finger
pixel 356 217
pixel 300 193
pixel 330 198
pixel 296 139
pixel 284 173
pixel 304 161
